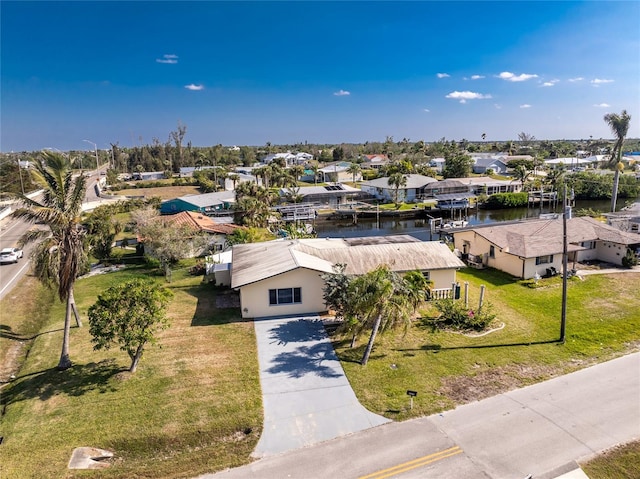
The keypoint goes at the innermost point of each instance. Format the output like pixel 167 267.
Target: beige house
pixel 531 247
pixel 283 277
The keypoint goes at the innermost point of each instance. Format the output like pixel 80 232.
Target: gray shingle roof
pixel 258 261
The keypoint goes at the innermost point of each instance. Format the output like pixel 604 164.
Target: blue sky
pixel 247 73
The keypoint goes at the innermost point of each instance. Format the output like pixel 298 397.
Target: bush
pixel 507 200
pixel 630 259
pixel 454 315
pixel 198 269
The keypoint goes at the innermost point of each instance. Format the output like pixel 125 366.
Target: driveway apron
pixel 306 396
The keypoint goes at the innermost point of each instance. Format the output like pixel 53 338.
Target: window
pixel 544 259
pixel 427 275
pixel 492 251
pixel 285 296
pixel 588 244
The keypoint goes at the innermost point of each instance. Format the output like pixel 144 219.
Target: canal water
pixel 419 228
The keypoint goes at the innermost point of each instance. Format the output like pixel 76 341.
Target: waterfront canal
pixel 420 227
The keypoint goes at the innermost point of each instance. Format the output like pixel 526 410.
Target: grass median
pixel 193 406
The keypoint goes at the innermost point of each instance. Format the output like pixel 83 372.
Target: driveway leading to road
pixel 306 396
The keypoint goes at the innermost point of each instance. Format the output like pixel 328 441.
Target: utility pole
pixel 563 320
pixel 20 173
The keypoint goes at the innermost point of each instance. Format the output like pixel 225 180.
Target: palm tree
pixel 521 173
pixel 397 181
pixel 619 125
pixel 234 177
pixel 354 169
pixel 58 259
pixel 379 300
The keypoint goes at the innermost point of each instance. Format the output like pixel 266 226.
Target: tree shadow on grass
pixel 297 331
pixel 307 360
pixel 436 348
pixel 7 333
pixel 207 312
pixel 76 381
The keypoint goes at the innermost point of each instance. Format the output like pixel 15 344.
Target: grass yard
pixel 622 462
pixel 163 192
pixel 193 406
pixel 447 368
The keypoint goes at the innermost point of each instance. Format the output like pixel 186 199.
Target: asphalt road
pixel 539 430
pixel 10 232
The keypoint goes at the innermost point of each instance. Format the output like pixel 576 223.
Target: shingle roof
pixel 209 199
pixel 533 238
pixel 259 261
pixel 199 222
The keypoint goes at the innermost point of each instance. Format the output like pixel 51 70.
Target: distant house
pixel 374 162
pixel 488 186
pixel 148 175
pixel 412 191
pixel 284 277
pixel 337 173
pixel 199 222
pixel 482 165
pixel 437 164
pixel 208 203
pixel 530 247
pixel 332 195
pixel 290 158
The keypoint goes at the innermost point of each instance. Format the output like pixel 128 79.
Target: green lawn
pixel 194 406
pixel 446 368
pixel 621 462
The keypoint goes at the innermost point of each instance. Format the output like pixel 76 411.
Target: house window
pixel 492 251
pixel 588 244
pixel 544 259
pixel 427 275
pixel 285 296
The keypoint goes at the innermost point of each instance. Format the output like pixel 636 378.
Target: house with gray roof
pixel 524 249
pixel 482 165
pixel 412 191
pixel 284 277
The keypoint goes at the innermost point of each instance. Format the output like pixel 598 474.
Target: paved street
pixel 540 430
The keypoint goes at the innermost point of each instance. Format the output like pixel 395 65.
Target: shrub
pixel 630 259
pixel 507 200
pixel 454 315
pixel 198 269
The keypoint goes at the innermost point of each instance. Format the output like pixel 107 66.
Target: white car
pixel 10 255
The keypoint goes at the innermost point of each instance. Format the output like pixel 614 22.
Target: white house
pixel 530 247
pixel 413 190
pixel 285 277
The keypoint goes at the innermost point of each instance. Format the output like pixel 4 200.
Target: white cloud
pixel 477 77
pixel 515 78
pixel 576 79
pixel 526 105
pixel 342 93
pixel 550 83
pixel 600 81
pixel 194 87
pixel 463 96
pixel 498 106
pixel 602 105
pixel 443 75
pixel 170 59
pixel 426 109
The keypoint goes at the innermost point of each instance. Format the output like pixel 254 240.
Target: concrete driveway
pixel 307 398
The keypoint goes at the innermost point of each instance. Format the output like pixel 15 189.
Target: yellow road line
pixel 407 466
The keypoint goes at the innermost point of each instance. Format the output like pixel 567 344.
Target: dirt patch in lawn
pixel 497 380
pixel 165 192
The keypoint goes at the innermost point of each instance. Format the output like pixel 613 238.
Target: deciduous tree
pixel 130 315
